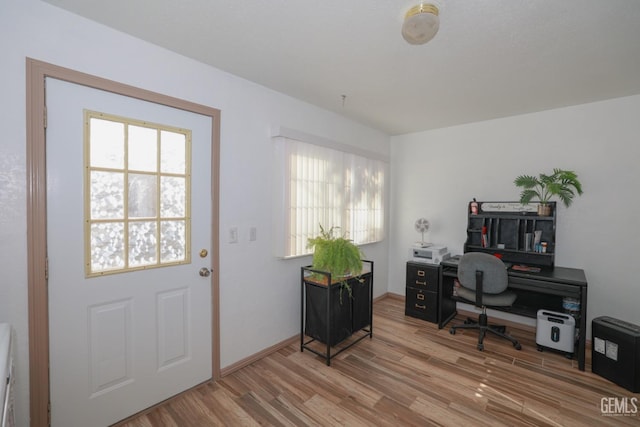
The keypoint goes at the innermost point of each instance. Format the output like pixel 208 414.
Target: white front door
pixel 120 343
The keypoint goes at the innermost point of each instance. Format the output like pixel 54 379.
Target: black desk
pixel 543 290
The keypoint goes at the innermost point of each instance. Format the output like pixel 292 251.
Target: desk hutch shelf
pixel 508 229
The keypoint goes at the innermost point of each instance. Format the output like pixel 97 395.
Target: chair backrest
pixel 494 272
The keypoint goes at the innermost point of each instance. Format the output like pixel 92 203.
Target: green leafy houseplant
pixel 336 255
pixel 562 184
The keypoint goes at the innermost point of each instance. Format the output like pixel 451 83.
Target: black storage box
pixel 340 316
pixel 615 351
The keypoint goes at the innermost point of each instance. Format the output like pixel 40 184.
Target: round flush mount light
pixel 421 23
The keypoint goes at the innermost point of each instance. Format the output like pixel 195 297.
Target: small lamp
pixel 421 23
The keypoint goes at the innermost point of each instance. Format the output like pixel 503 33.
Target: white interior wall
pixel 259 294
pixel 436 173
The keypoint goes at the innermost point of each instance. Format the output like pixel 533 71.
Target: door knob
pixel 205 272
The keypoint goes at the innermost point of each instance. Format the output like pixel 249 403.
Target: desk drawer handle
pixel 421 273
pixel 420 297
pixel 422 307
pixel 421 283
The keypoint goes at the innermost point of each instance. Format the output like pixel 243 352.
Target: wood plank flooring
pixel 409 374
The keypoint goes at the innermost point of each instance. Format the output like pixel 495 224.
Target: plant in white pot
pixel 563 184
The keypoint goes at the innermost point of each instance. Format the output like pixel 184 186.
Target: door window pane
pixel 173 152
pixel 107 246
pixel 143 247
pixel 138 194
pixel 173 241
pixel 143 148
pixel 107 143
pixel 107 195
pixel 143 196
pixel 173 201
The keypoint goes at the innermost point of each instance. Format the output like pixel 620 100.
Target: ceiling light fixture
pixel 421 23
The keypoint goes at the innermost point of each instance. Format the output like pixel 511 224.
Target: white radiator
pixel 6 377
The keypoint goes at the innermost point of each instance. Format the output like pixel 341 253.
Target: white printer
pixel 431 254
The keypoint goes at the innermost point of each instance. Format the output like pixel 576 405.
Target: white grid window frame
pixel 137 201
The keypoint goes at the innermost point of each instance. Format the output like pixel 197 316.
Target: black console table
pixel 545 289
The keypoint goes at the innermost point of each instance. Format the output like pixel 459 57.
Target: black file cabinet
pixel 422 291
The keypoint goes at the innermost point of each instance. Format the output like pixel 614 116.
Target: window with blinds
pixel 331 188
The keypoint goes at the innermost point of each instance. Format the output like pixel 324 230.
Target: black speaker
pixel 615 351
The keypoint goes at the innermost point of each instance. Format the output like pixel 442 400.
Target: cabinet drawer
pixel 423 276
pixel 422 304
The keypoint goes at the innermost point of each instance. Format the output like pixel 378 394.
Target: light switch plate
pixel 233 235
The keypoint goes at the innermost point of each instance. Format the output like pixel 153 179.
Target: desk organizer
pixel 512 231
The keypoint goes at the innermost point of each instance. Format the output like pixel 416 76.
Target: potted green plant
pixel 340 257
pixel 336 255
pixel 562 184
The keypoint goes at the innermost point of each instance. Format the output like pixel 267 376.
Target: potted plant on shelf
pixel 342 259
pixel 336 255
pixel 562 184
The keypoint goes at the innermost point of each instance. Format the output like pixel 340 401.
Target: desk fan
pixel 422 226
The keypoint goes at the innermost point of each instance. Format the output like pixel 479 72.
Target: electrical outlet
pixel 252 234
pixel 233 235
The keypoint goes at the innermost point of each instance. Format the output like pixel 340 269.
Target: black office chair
pixel 483 279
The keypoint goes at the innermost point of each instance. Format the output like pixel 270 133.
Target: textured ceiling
pixel 490 59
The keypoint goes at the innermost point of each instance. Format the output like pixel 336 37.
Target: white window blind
pixel 331 188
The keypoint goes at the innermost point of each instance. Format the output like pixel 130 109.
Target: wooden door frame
pixel 37 71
